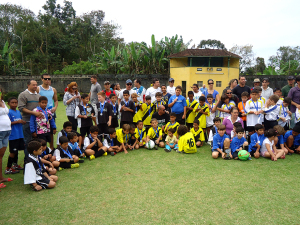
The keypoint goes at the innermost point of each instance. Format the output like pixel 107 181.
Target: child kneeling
pixel 221 142
pixel 155 134
pixel 35 173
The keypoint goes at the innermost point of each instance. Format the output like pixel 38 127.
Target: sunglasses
pixel 74 88
pixel 129 84
pixel 210 83
pixel 47 78
pixel 229 93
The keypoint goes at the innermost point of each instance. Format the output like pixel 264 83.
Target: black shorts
pixel 235 154
pixel 43 182
pixel 114 123
pixel 269 124
pixel 103 128
pixel 189 124
pixel 153 139
pixel 16 145
pixel 250 128
pixel 84 131
pixel 45 136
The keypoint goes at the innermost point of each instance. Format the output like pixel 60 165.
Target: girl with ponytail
pixel 268 148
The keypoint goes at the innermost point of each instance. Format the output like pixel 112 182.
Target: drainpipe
pixel 228 66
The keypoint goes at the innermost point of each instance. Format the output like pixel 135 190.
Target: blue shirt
pixel 166 97
pixel 215 93
pixel 74 147
pixel 49 94
pixel 178 106
pixel 16 129
pixel 218 141
pixel 203 89
pixel 236 143
pixel 296 139
pixel 254 139
pixel 280 141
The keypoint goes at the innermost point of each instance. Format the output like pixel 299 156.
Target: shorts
pixel 153 139
pixel 114 123
pixel 43 182
pixel 84 131
pixel 235 154
pixel 270 124
pixel 45 136
pixel 209 126
pixel 4 136
pixel 252 152
pixel 189 124
pixel 16 145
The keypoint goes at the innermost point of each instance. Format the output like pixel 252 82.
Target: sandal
pixel 2 185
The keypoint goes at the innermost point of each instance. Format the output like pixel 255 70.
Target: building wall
pixel 180 62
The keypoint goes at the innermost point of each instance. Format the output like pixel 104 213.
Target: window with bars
pixel 218 83
pixel 200 84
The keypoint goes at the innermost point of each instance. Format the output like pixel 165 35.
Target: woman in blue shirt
pixel 177 103
pixel 211 90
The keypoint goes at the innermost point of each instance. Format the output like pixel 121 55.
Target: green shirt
pixel 285 90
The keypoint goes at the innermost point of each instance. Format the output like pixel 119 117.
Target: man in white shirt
pixel 128 87
pixel 197 92
pixel 139 89
pixel 153 90
pixel 171 87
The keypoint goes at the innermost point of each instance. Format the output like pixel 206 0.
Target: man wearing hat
pixel 291 83
pixel 256 83
pixel 128 87
pixel 266 90
pixel 153 90
pixel 171 87
pixel 107 91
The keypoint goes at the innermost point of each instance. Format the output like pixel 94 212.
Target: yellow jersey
pixel 156 104
pixel 198 135
pixel 122 137
pixel 200 116
pixel 174 126
pixel 147 113
pixel 140 134
pixel 190 114
pixel 187 143
pixel 138 112
pixel 154 134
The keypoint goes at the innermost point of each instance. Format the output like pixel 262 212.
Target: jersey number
pixel 191 142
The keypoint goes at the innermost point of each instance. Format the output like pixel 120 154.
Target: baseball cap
pixel 291 78
pixel 171 79
pixel 106 82
pixel 256 80
pixel 128 81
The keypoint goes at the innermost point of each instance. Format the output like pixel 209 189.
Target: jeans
pixel 4 136
pixel 27 137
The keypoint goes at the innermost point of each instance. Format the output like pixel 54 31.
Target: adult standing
pixel 266 90
pixel 162 117
pixel 230 120
pixel 139 89
pixel 256 83
pixel 171 87
pixel 27 101
pixel 107 90
pixel 197 92
pixel 203 88
pixel 291 83
pixel 51 94
pixel 212 91
pixel 294 94
pixel 5 130
pixel 128 88
pixel 242 87
pixel 95 89
pixel 232 83
pixel 72 100
pixel 153 90
pixel 177 103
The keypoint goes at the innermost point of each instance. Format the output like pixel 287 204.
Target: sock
pixel 16 157
pixel 99 153
pixel 10 161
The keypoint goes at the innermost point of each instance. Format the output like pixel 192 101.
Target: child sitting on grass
pixel 111 143
pixel 256 141
pixel 172 124
pixel 155 134
pixel 279 143
pixel 47 158
pixel 186 143
pixel 123 137
pixel 171 141
pixel 64 154
pixel 268 148
pixel 73 138
pixel 198 133
pixel 221 142
pixel 291 140
pixel 238 143
pixel 35 173
pixel 140 135
pixel 67 127
pixel 92 145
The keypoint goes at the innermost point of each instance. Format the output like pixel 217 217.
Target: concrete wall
pixel 60 82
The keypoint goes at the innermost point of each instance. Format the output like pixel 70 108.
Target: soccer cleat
pixel 155 147
pixel 105 154
pixel 11 171
pixel 17 167
pixel 92 157
pixel 75 165
pixel 60 168
pixel 167 150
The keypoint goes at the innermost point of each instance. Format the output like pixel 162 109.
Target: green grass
pixel 154 187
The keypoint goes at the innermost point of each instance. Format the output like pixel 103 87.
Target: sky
pixel 265 24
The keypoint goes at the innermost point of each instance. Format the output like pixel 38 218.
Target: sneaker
pixel 105 154
pixel 112 153
pixel 17 167
pixel 167 150
pixel 179 151
pixel 11 171
pixel 60 168
pixel 75 165
pixel 249 158
pixel 92 157
pixel 155 147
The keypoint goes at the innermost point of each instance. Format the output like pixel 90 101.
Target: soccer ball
pixel 150 144
pixel 243 155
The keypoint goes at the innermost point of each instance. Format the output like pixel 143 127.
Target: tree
pixel 246 52
pixel 260 65
pixel 209 43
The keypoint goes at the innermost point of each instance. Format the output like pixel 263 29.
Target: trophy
pixel 227 153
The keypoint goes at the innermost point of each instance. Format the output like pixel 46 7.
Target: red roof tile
pixel 204 53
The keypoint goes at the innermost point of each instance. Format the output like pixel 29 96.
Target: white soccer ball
pixel 150 144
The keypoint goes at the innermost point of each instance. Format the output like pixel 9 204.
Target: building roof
pixel 204 53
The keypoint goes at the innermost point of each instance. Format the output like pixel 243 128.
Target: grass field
pixel 155 187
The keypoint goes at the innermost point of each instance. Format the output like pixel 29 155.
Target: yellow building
pixel 198 65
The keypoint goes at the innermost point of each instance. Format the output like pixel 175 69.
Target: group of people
pixel 256 119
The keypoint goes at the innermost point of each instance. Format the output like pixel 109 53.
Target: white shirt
pixel 86 142
pixel 272 112
pixel 297 115
pixel 171 90
pixel 152 91
pixel 210 118
pixel 266 93
pixel 197 95
pixel 121 94
pixel 5 123
pixel 252 106
pixel 280 101
pixel 30 174
pixel 140 93
pixel 283 114
pixel 263 148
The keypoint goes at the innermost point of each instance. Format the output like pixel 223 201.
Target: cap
pixel 291 78
pixel 128 81
pixel 171 79
pixel 256 80
pixel 106 82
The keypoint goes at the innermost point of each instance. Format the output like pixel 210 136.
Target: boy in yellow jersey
pixel 123 137
pixel 155 134
pixel 140 135
pixel 138 113
pixel 186 143
pixel 147 109
pixel 190 113
pixel 172 124
pixel 202 111
pixel 159 102
pixel 198 134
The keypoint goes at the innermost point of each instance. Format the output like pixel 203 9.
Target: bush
pixel 59 98
pixel 10 94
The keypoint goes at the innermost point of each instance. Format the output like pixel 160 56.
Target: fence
pixel 276 81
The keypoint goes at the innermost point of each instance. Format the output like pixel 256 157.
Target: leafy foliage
pixel 209 43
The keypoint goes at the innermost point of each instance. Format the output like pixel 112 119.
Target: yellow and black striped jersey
pixel 198 135
pixel 190 114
